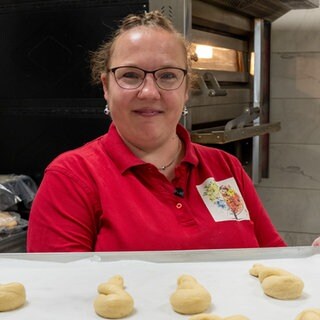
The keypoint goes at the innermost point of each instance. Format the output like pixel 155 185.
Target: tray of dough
pixel 64 286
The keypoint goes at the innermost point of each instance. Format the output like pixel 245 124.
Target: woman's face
pixel 146 117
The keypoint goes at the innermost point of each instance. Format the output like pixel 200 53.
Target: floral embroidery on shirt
pixel 223 199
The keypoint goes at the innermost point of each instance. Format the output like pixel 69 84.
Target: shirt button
pixel 179 205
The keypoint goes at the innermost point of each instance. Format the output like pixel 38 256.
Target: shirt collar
pixel 125 159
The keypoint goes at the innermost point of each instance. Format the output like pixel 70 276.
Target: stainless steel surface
pixel 258 84
pixel 178 11
pixel 245 119
pixel 269 10
pixel 207 14
pixel 223 136
pixel 212 102
pixel 223 96
pixel 173 256
pixel 213 89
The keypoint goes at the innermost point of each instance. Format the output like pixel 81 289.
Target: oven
pixel 229 106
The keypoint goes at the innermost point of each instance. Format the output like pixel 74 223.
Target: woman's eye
pixel 131 75
pixel 168 76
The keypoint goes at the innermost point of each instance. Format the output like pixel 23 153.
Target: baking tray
pixel 63 286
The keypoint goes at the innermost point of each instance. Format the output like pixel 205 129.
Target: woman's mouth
pixel 148 112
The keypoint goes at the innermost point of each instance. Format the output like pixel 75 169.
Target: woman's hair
pixel 100 59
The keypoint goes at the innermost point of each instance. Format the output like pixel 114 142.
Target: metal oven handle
pixel 214 88
pixel 246 118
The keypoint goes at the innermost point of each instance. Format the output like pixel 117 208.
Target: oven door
pixel 227 103
pixel 225 106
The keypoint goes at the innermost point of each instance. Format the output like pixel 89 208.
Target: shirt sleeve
pixel 63 216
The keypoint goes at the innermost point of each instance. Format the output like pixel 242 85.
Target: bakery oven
pixel 229 104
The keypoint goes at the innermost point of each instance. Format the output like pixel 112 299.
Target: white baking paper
pixel 66 291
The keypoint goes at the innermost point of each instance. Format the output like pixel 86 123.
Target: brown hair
pixel 101 57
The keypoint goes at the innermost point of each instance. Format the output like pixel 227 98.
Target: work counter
pixel 64 286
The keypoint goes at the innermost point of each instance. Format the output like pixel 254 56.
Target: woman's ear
pixel 104 81
pixel 186 98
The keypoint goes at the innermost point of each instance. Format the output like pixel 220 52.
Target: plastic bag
pixel 7 198
pixel 21 188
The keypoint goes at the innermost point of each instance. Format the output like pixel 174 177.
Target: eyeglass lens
pixel 165 78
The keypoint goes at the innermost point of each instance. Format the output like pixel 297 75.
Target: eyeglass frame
pixel 114 69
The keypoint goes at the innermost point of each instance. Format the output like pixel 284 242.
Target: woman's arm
pixel 63 216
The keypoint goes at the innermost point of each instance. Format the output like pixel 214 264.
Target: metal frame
pixel 178 11
pixel 257 98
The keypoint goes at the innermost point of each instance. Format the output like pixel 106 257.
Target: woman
pixel 144 185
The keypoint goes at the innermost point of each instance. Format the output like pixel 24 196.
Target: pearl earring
pixel 106 110
pixel 185 111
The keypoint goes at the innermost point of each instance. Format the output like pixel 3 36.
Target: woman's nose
pixel 149 88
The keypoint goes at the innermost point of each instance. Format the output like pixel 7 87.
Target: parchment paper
pixel 62 291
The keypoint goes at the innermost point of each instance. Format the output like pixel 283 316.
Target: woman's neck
pixel 165 157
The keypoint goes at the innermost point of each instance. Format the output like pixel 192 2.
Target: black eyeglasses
pixel 132 77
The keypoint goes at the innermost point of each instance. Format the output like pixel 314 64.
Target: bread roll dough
pixel 309 314
pixel 190 297
pixel 113 301
pixel 206 316
pixel 12 296
pixel 278 283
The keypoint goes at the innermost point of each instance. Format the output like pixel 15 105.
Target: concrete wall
pixel 292 192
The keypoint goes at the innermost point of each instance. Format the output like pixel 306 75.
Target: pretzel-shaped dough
pixel 278 283
pixel 309 314
pixel 190 297
pixel 113 301
pixel 12 296
pixel 206 316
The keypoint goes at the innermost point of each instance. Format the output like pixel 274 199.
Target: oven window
pixel 217 58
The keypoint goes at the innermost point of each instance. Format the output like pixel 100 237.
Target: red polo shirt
pixel 101 197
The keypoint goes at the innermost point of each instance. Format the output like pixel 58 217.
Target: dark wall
pixel 47 104
pixel 30 142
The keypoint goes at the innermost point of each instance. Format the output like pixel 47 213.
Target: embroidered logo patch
pixel 223 199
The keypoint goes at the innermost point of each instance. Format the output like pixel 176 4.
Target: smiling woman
pixel 144 185
pixel 146 113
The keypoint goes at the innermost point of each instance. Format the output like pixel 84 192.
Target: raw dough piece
pixel 309 314
pixel 278 283
pixel 113 301
pixel 206 316
pixel 12 296
pixel 190 297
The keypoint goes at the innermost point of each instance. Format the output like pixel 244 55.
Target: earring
pixel 106 110
pixel 185 111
